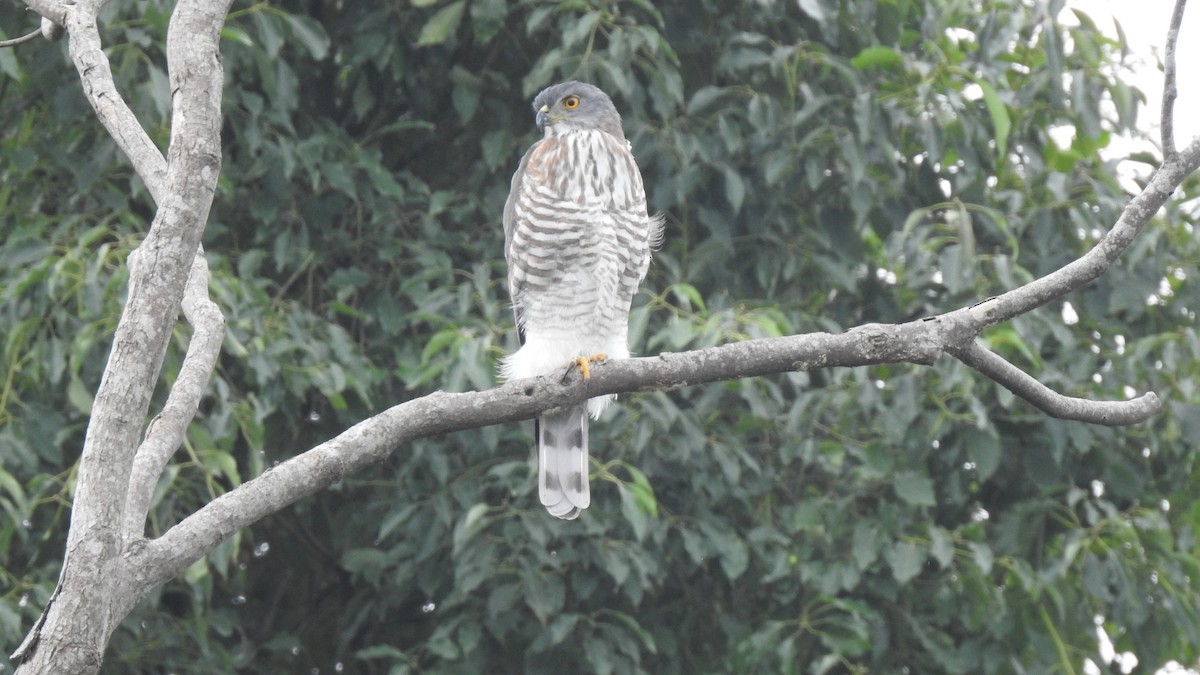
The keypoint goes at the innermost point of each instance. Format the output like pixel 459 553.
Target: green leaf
pixel 632 624
pixel 365 562
pixel 544 594
pixel 488 18
pixel 633 511
pixel 13 487
pixel 734 555
pixel 695 544
pixel 984 450
pixel 396 519
pixel 1001 122
pixel 866 544
pixel 643 493
pixel 380 652
pixel 224 463
pixel 735 190
pixel 877 57
pixel 906 560
pixel 442 644
pixel 705 97
pixel 310 33
pixel 1005 338
pixel 690 295
pixel 941 546
pixel 735 558
pixel 502 599
pixel 815 9
pixel 914 488
pixel 559 629
pixel 79 396
pixel 233 34
pixel 469 526
pixel 580 28
pixel 197 571
pixel 442 24
pixel 439 344
pixel 983 556
pixel 10 66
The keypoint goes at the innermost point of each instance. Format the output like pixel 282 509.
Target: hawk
pixel 577 240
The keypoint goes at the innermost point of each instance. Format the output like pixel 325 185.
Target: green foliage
pixel 821 165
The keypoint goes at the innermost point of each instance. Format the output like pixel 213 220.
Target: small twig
pixel 1170 90
pixel 1054 404
pixel 21 40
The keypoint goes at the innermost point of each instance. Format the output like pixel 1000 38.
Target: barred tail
pixel 562 445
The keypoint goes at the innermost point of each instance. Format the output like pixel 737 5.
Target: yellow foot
pixel 585 364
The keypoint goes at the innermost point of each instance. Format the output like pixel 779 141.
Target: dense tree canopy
pixel 820 164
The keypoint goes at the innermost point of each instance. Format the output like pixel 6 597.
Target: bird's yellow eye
pixel 571 102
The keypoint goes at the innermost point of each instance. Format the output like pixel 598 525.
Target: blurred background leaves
pixel 821 164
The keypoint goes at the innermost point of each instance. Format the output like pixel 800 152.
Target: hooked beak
pixel 543 117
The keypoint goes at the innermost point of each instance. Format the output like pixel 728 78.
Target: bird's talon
pixel 585 367
pixel 585 364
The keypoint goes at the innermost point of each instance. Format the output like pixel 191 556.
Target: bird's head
pixel 575 106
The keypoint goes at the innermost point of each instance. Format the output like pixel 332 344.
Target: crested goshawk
pixel 577 239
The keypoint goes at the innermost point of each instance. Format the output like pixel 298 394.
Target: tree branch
pixel 166 432
pixel 112 110
pixel 28 37
pixel 1108 413
pixel 50 29
pixel 1170 90
pixel 372 440
pixel 116 116
pixel 53 10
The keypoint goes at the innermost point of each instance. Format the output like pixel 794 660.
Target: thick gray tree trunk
pixel 100 581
